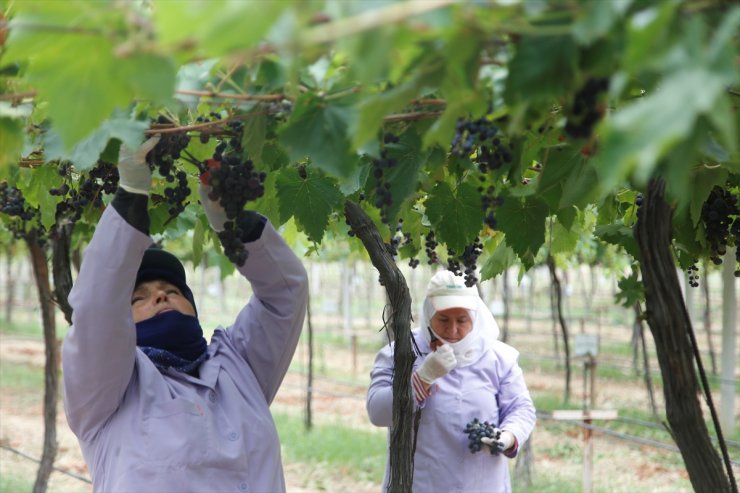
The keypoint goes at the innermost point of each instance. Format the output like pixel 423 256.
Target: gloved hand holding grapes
pixel 482 434
pixel 503 443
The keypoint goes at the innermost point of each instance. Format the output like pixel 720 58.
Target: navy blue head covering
pixel 160 265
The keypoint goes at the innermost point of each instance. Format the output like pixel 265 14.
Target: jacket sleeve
pixel 379 402
pixel 516 409
pixel 99 350
pixel 267 329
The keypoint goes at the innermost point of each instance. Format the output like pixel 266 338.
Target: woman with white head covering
pixel 463 373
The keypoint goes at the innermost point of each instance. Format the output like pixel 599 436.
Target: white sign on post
pixel 587 345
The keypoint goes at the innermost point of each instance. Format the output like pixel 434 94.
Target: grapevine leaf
pixel 404 176
pixel 82 83
pixel 253 138
pixel 11 142
pixel 216 27
pixel 319 130
pixel 37 192
pixel 199 238
pixel 598 18
pixel 523 222
pixel 566 216
pixel 151 77
pixel 87 152
pixel 639 134
pixel 619 235
pixel 552 76
pixel 555 171
pixel 647 33
pixel 563 241
pixel 456 217
pixel 501 259
pixel 373 109
pixel 311 200
pixel 631 290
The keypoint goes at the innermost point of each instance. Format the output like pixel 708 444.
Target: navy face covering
pixel 172 339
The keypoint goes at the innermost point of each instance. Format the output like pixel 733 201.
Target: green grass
pixel 21 377
pixel 349 451
pixel 10 483
pixel 23 328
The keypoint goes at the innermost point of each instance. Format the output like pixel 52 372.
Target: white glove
pixel 437 364
pixel 505 441
pixel 214 212
pixel 133 171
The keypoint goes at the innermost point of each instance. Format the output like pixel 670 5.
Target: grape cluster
pixel 234 181
pixel 489 202
pixel 430 246
pixel 586 110
pixel 13 203
pixel 477 430
pixel 101 179
pixel 381 167
pixel 693 273
pixel 715 215
pixel 162 157
pixel 469 259
pixel 482 140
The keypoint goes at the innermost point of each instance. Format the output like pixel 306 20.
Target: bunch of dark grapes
pixel 234 181
pixel 469 259
pixel 481 140
pixel 586 110
pixel 453 264
pixel 162 158
pixel 381 167
pixel 430 246
pixel 101 179
pixel 13 203
pixel 477 430
pixel 489 202
pixel 715 214
pixel 693 273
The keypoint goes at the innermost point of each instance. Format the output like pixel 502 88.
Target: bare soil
pixel 557 448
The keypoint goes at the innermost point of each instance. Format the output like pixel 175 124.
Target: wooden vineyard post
pixel 587 347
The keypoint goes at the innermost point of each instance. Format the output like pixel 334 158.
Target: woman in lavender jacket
pixel 463 373
pixel 154 407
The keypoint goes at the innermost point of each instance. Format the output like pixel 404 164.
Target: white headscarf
pixel 446 290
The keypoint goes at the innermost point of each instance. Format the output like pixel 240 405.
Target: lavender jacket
pixel 491 389
pixel 142 430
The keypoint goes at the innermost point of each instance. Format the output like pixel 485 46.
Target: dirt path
pixel 557 448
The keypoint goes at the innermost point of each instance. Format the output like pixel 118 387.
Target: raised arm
pixel 100 349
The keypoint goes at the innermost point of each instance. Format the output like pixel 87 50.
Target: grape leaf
pixel 501 259
pixel 216 27
pixel 319 130
pixel 455 216
pixel 87 152
pixel 11 142
pixel 309 200
pixel 523 222
pixel 619 235
pixel 253 137
pixel 551 76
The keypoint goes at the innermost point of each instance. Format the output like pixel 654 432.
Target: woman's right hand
pixel 437 364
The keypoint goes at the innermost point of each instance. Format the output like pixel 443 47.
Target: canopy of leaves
pixel 501 122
